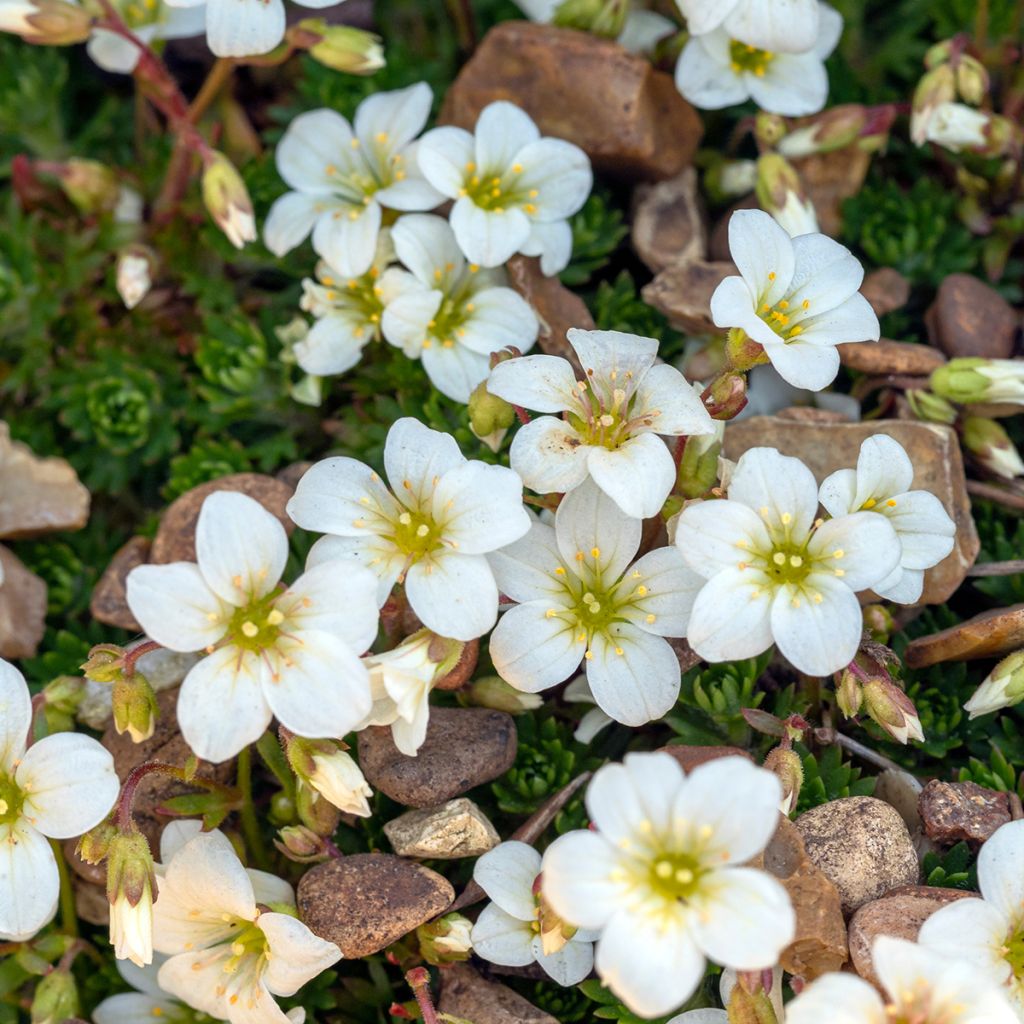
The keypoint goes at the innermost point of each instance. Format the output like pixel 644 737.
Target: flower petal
pixel 333 345
pixel 793 85
pixel 525 570
pixel 289 221
pixel 337 598
pixel 314 142
pixel 671 588
pixel 532 650
pixel 665 391
pixel 780 488
pixel 541 383
pixel 705 78
pixel 15 714
pixel 716 535
pixel 454 595
pixel 638 685
pixel 244 28
pixel 826 274
pixel 425 243
pixel 442 155
pixel 763 252
pixel 805 363
pixel 487 237
pixel 552 242
pixel 633 800
pixel 376 554
pixel 414 455
pixel 637 476
pixel 507 874
pixel 296 954
pixel 401 113
pixel 568 965
pixel 29 883
pixel 175 606
pixel 785 26
pixel 502 939
pixel 335 493
pixel 590 523
pixel 501 131
pixel 858 546
pixel 548 456
pixel 559 173
pixel 614 355
pixel 1001 870
pixel 974 931
pixel 480 507
pixel 347 238
pixel 838 999
pixel 577 872
pixel 502 317
pixel 730 618
pixel 818 636
pixel 455 370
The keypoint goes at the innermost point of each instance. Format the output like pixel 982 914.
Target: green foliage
pixel 567 1005
pixel 956 868
pixel 597 231
pixel 1002 540
pixel 207 459
pixel 545 762
pixel 828 777
pixel 711 701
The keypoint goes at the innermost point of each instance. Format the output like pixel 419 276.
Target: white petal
pixel 525 570
pixel 507 874
pixel 175 606
pixel 560 174
pixel 704 15
pixel 197 979
pixel 819 638
pixel 826 274
pixel 241 548
pixel 637 476
pixel 1001 870
pixel 569 965
pixel 386 565
pixel 716 535
pixel 731 617
pixel 671 588
pixel 337 598
pixel 487 237
pixel 794 84
pixel 502 318
pixel 838 999
pixel 402 113
pixel 414 455
pixel 333 345
pixel 552 242
pixel 455 370
pixel 867 551
pixel 588 520
pixel 679 409
pixel 242 28
pixel 904 586
pixel 639 685
pixel 838 492
pixel 706 79
pixel 289 221
pixel 804 363
pixel 132 1008
pixel 268 888
pixel 175 835
pixel 786 26
pixel 406 320
pixel 763 252
pixel 852 320
pixel 15 714
pixel 973 931
pixel 501 938
pixel 606 353
pixel 480 507
pixel 577 872
pixel 443 154
pixel 534 651
pixel 315 141
pixel 541 383
pixel 733 304
pixel 454 595
pixel 335 493
pixel 425 243
pixel 766 479
pixel 924 528
pixel 113 52
pixel 501 131
pixel 347 238
pixel 635 799
pixel 548 456
pixel 29 883
pixel 296 954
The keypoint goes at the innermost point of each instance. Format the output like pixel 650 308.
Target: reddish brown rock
pixel 988 635
pixel 718 240
pixel 952 811
pixel 900 915
pixel 683 293
pixel 886 289
pixel 108 604
pixel 468 996
pixel 628 118
pixel 830 179
pixel 175 540
pixel 885 356
pixel 811 414
pixel 970 318
pixel 668 222
pixel 366 901
pixel 22 608
pixel 691 756
pixel 933 449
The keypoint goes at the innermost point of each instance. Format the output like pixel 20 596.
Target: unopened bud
pixel 90 185
pixel 698 467
pixel 493 692
pixel 769 129
pixel 1002 687
pixel 446 940
pixel 830 130
pixel 878 621
pixel 972 81
pixel 938 54
pixel 727 179
pixel 227 200
pixel 849 694
pixel 600 17
pixel 992 447
pixel 1003 137
pixel 930 407
pixel 750 1007
pixel 892 709
pixel 342 47
pixel 936 87
pixel 319 815
pixel 134 707
pixel 786 764
pixel 134 274
pixel 94 845
pixel 956 127
pixel 973 380
pixel 726 396
pixel 55 999
pixel 105 663
pixel 131 880
pixel 301 844
pixel 63 696
pixel 781 193
pixel 489 413
pixel 48 22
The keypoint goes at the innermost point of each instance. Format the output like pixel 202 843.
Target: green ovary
pixel 256 626
pixel 748 58
pixel 12 799
pixel 491 192
pixel 787 564
pixel 675 876
pixel 416 535
pixel 1014 954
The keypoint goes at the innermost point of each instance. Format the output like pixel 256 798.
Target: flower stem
pixel 250 823
pixel 418 980
pixel 68 914
pixel 218 77
pixel 132 656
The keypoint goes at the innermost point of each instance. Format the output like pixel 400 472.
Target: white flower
pixel 716 70
pixel 988 933
pixel 611 422
pixel 797 297
pixel 641 32
pixel 777 574
pixel 659 878
pixel 593 721
pixel 131 929
pixel 348 313
pixel 786 26
pixel 514 191
pixel 345 176
pixel 1002 687
pixel 162 19
pixel 956 126
pixel 57 788
pixel 581 597
pixel 338 779
pixel 430 532
pixel 292 654
pixel 920 986
pixel 511 930
pixel 133 277
pixel 147 1002
pixel 229 958
pixel 881 483
pixel 450 315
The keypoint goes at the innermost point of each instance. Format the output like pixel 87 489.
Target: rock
pixel 91 902
pixel 933 449
pixel 988 635
pixel 863 847
pixel 811 414
pixel 691 756
pixel 683 293
pixel 900 914
pixel 718 240
pixel 885 356
pixel 175 539
pixel 467 995
pixel 37 495
pixel 22 608
pixel 668 222
pixel 901 790
pixel 465 747
pixel 365 902
pixel 951 811
pixel 830 178
pixel 969 318
pixel 556 307
pixel 886 289
pixel 819 945
pixel 455 829
pixel 629 118
pixel 108 604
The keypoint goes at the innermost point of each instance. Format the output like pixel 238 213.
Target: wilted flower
pixel 227 200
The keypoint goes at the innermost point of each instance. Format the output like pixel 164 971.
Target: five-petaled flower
pixel 787 26
pixel 611 419
pixel 659 876
pixel 290 653
pixel 514 191
pixel 430 532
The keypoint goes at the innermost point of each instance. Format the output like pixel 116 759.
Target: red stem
pixel 418 980
pixel 132 656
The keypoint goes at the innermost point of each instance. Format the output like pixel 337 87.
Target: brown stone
pixel 718 240
pixel 557 308
pixel 862 845
pixel 175 540
pixel 22 608
pixel 970 318
pixel 811 414
pixel 91 902
pixel 683 293
pixel 668 222
pixel 293 473
pixel 886 289
pixel 37 495
pixel 885 356
pixel 455 829
pixel 468 996
pixel 933 449
pixel 108 604
pixel 626 116
pixel 952 811
pixel 831 178
pixel 900 915
pixel 988 635
pixel 819 945
pixel 465 747
pixel 690 756
pixel 364 902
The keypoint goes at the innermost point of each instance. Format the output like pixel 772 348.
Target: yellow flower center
pixel 498 192
pixel 256 626
pixel 675 876
pixel 749 58
pixel 12 799
pixel 780 317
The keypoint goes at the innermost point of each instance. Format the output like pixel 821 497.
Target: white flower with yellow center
pixel 919 986
pixel 796 297
pixel 514 191
pixel 345 176
pixel 233 940
pixel 271 651
pixel 581 597
pixel 716 70
pixel 57 788
pixel 430 532
pixel 659 876
pixel 881 484
pixel 640 33
pixel 449 314
pixel 610 420
pixel 788 26
pixel 516 929
pixel 778 574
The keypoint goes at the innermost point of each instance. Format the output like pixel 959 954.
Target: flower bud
pixel 849 694
pixel 227 200
pixel 878 621
pixel 972 81
pixel 342 47
pixel 134 274
pixel 1002 688
pixel 90 185
pixel 750 1007
pixel 830 130
pixel 935 87
pixel 992 447
pixel 769 129
pixel 892 709
pixel 488 413
pixel 446 940
pixel 781 193
pixel 131 879
pixel 316 813
pixel 134 707
pixel 47 22
pixel 728 179
pixel 1001 137
pixel 56 998
pixel 601 17
pixel 301 844
pixel 956 127
pixel 325 767
pixel 938 53
pixel 494 692
pixel 930 408
pixel 63 696
pixel 104 664
pixel 698 467
pixel 786 764
pixel 94 846
pixel 726 395
pixel 972 380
